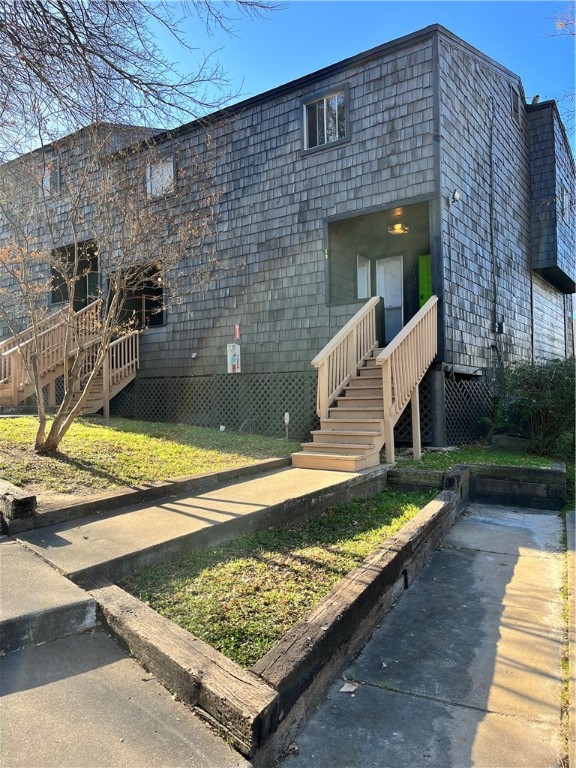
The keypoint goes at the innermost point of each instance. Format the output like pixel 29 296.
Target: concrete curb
pixel 292 676
pixel 532 487
pixel 141 494
pixel 54 608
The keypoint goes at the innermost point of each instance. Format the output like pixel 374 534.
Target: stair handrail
pixel 404 362
pixel 50 335
pixel 122 360
pixel 338 361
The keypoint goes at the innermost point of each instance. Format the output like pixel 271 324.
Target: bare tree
pixel 566 27
pixel 129 224
pixel 69 63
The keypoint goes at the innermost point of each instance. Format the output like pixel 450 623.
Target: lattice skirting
pixel 403 428
pixel 257 402
pixel 469 401
pixel 246 402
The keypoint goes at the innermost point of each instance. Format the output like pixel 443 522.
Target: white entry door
pixel 390 285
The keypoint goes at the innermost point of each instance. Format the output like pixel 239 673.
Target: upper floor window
pixel 514 104
pixel 51 177
pixel 565 204
pixel 325 120
pixel 160 177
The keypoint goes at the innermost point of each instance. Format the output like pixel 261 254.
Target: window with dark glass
pixel 74 273
pixel 325 120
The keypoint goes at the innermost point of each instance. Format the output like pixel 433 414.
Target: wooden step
pixel 370 373
pixel 359 400
pixel 364 386
pixel 340 413
pixel 338 462
pixel 357 437
pixel 355 423
pixel 319 446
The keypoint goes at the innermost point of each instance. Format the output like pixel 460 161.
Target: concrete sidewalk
pixel 466 669
pixel 77 700
pixel 81 702
pixel 114 544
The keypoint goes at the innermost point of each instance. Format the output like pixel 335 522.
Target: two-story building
pixel 414 169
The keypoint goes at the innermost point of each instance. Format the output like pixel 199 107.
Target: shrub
pixel 537 400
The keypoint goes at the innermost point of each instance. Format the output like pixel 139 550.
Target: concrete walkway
pixel 114 544
pixel 466 669
pixel 77 700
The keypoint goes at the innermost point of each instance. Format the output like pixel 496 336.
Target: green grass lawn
pixel 241 598
pixel 475 454
pixel 101 454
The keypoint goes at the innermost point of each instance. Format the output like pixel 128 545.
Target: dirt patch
pixel 48 500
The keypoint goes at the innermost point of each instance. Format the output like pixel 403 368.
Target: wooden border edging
pixel 259 708
pixel 310 654
pixel 15 503
pixel 242 704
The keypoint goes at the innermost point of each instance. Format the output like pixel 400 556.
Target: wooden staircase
pixel 363 390
pixel 49 343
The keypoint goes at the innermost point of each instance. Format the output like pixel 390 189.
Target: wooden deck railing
pixel 120 362
pixel 404 362
pixel 340 358
pixel 48 344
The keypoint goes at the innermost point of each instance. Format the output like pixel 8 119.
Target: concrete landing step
pixel 334 461
pixel 37 604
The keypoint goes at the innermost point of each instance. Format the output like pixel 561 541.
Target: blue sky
pixel 307 35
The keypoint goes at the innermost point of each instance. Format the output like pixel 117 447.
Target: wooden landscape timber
pixel 259 709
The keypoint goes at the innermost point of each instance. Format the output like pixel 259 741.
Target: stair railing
pixel 50 336
pixel 337 363
pixel 404 362
pixel 121 361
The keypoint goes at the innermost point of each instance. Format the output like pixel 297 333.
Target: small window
pixel 325 120
pixel 50 185
pixel 514 104
pixel 160 177
pixel 565 204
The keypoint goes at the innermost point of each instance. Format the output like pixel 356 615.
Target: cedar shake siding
pixel 426 134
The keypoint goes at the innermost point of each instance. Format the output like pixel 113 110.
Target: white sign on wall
pixel 233 355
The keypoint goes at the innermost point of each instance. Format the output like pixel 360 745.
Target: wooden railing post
pixel 387 404
pixel 15 363
pixel 415 406
pixel 323 391
pixel 352 358
pixel 106 385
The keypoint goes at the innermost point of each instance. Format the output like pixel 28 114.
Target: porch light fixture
pixel 398 229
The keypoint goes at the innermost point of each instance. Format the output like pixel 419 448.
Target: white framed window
pixel 50 181
pixel 160 177
pixel 325 120
pixel 363 281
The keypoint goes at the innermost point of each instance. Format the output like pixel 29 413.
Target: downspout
pixel 495 346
